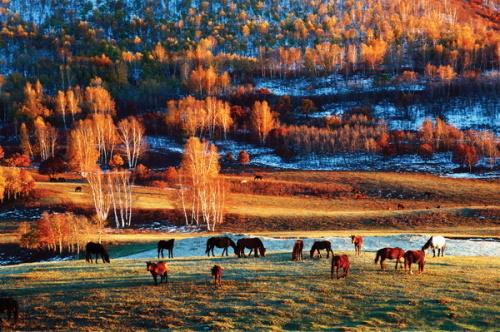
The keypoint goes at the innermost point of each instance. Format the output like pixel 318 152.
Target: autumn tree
pixel 33 105
pixel 262 120
pixel 131 134
pixel 46 137
pixel 202 190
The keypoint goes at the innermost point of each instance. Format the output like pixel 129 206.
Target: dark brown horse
pixel 11 307
pixel 253 244
pixel 320 245
pixel 414 256
pixel 96 249
pixel 158 269
pixel 297 250
pixel 342 262
pixel 217 272
pixel 168 245
pixel 358 243
pixel 220 242
pixel 389 253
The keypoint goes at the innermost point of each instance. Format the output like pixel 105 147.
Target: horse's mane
pixel 427 244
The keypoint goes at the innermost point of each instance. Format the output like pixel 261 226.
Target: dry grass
pixel 272 293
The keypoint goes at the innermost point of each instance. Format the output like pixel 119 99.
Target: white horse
pixel 436 242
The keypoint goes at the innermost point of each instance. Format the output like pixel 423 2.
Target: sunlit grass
pixel 266 293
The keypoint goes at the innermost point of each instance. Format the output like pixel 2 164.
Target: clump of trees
pixel 203 191
pixel 57 232
pixel 15 183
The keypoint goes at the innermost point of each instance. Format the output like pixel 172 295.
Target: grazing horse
pixel 168 245
pixel 341 261
pixel 217 272
pixel 436 242
pixel 401 206
pixel 11 307
pixel 297 250
pixel 96 249
pixel 417 257
pixel 253 244
pixel 158 269
pixel 78 189
pixel 257 177
pixel 320 245
pixel 220 242
pixel 389 253
pixel 358 243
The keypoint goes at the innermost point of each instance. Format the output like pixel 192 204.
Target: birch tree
pixel 131 133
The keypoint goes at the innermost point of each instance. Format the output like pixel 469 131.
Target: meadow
pixel 271 293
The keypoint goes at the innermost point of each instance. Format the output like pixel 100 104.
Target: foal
pixel 158 269
pixel 415 256
pixel 341 261
pixel 11 307
pixel 358 243
pixel 217 272
pixel 297 250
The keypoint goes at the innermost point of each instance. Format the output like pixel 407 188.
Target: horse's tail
pixel 377 256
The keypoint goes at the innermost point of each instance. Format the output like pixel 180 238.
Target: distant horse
pixel 342 262
pixel 320 245
pixel 168 245
pixel 401 206
pixel 417 257
pixel 257 177
pixel 96 249
pixel 436 242
pixel 217 272
pixel 358 243
pixel 253 244
pixel 389 253
pixel 220 242
pixel 11 307
pixel 297 250
pixel 158 269
pixel 78 189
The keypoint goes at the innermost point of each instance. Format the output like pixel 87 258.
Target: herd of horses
pixel 160 269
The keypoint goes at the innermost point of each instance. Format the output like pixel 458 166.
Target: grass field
pixel 271 293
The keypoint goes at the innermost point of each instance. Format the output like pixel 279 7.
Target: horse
pixel 11 307
pixel 341 261
pixel 220 242
pixel 401 206
pixel 389 253
pixel 436 242
pixel 358 243
pixel 257 177
pixel 253 244
pixel 297 250
pixel 78 189
pixel 217 272
pixel 96 249
pixel 417 257
pixel 158 269
pixel 320 245
pixel 168 245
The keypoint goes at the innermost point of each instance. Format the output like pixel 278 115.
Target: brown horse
pixel 320 245
pixel 358 243
pixel 417 257
pixel 217 272
pixel 341 261
pixel 297 250
pixel 389 253
pixel 253 244
pixel 158 269
pixel 96 249
pixel 11 307
pixel 220 242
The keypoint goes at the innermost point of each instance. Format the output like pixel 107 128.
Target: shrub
pixel 243 157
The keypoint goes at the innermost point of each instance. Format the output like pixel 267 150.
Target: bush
pixel 19 160
pixel 243 157
pixel 171 175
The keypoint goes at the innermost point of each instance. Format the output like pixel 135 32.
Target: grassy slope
pixel 268 293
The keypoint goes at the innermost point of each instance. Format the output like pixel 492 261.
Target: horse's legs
pixel 256 252
pixel 155 279
pixel 442 251
pixel 337 271
pixel 433 252
pixel 382 263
